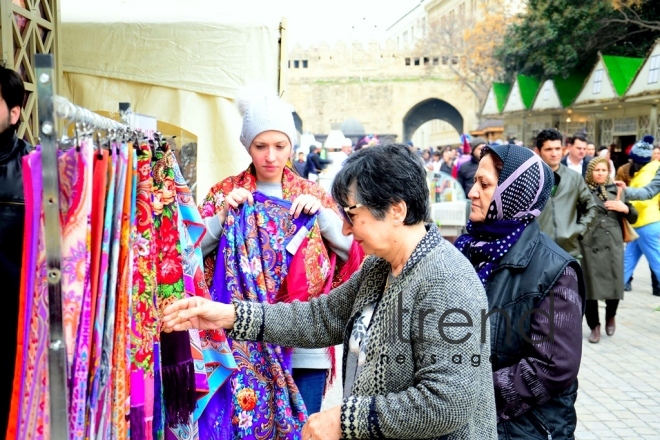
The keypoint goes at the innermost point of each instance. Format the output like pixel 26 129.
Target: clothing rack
pixel 52 107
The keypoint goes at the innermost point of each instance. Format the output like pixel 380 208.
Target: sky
pixel 309 21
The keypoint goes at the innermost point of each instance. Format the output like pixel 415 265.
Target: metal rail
pixel 50 108
pixel 57 368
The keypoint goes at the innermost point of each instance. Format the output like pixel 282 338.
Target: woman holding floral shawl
pixel 263 398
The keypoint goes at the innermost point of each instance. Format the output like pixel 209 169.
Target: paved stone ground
pixel 619 378
pixel 619 394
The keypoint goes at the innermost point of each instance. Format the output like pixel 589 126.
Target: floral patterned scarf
pixel 255 250
pixel 29 411
pixel 292 187
pixel 143 325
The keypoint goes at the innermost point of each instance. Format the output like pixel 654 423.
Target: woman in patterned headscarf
pixel 532 285
pixel 602 247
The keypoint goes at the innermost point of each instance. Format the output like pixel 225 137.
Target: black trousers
pixel 591 311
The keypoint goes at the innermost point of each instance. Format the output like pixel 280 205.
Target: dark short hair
pixel 313 148
pixel 12 89
pixel 548 134
pixel 601 148
pixel 578 137
pixel 381 176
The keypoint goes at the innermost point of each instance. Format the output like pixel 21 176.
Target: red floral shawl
pixel 292 187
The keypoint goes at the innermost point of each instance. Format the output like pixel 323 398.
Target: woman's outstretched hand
pixel 199 313
pixel 325 425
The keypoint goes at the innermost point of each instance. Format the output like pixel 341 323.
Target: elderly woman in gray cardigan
pixel 415 352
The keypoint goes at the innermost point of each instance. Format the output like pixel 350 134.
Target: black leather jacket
pixel 524 277
pixel 12 205
pixel 12 209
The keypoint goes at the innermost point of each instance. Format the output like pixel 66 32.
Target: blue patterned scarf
pixel 523 189
pixel 261 400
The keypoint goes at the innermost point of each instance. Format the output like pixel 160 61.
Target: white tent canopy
pixel 647 81
pixel 548 98
pixel 177 65
pixel 490 106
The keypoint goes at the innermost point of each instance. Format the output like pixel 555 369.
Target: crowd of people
pixel 481 339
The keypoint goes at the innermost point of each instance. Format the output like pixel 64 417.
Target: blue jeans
pixel 311 383
pixel 648 244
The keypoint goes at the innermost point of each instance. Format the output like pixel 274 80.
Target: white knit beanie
pixel 264 111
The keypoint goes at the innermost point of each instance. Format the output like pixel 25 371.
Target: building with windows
pixel 615 104
pixel 410 28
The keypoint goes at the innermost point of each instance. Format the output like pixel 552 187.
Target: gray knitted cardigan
pixel 418 382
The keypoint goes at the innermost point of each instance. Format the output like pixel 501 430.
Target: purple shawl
pixel 255 251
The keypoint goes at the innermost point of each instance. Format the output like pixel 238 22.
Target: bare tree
pixel 629 14
pixel 465 44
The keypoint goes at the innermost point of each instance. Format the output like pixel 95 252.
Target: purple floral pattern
pixel 252 262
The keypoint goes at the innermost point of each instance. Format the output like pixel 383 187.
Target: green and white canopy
pixel 496 99
pixel 609 80
pixel 524 90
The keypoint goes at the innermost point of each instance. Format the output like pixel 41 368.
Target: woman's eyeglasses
pixel 344 212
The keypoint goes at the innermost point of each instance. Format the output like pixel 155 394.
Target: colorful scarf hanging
pixel 120 385
pixel 144 326
pixel 75 179
pixel 214 362
pixel 105 425
pixel 29 412
pixel 178 374
pixel 99 193
pixel 98 371
pixel 209 350
pixel 27 282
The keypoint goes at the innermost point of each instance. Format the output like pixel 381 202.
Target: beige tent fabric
pixel 186 74
pixel 213 119
pixel 214 59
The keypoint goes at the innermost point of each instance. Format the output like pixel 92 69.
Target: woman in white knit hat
pixel 268 133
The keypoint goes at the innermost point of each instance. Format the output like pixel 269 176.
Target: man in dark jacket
pixel 315 164
pixel 300 164
pixel 570 210
pixel 468 169
pixel 577 159
pixel 12 209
